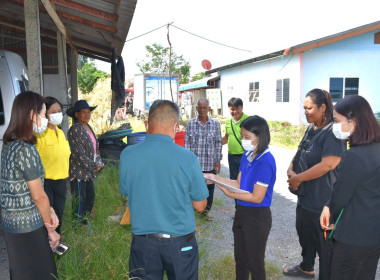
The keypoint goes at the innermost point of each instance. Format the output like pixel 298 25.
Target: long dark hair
pixel 367 129
pixel 319 97
pixel 20 124
pixel 258 126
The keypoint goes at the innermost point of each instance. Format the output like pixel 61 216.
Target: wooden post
pixel 33 45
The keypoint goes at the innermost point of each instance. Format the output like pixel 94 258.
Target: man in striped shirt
pixel 203 137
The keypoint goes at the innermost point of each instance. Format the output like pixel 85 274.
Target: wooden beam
pixel 54 16
pixel 18 27
pixel 86 9
pixel 71 17
pixel 87 22
pixel 23 50
pixel 102 58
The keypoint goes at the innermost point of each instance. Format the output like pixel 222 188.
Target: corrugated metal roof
pixel 305 46
pixel 202 83
pixel 96 27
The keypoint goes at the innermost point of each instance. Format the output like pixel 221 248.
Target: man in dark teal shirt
pixel 164 184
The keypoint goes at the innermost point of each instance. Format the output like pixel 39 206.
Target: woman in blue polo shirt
pixel 253 218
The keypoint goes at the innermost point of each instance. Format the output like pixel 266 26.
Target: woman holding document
pixel 356 250
pixel 253 218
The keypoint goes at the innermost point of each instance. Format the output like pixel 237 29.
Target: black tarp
pixel 117 84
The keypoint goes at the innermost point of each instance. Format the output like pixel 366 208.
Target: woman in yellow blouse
pixel 54 151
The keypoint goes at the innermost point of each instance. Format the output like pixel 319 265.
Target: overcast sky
pixel 260 26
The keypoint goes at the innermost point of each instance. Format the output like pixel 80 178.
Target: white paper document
pixel 228 187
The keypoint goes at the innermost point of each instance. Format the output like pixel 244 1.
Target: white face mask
pixel 42 128
pixel 56 119
pixel 247 145
pixel 337 130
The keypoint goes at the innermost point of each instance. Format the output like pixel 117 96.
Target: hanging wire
pixel 148 32
pixel 210 40
pixel 189 33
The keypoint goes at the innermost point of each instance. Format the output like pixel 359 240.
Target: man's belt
pixel 167 236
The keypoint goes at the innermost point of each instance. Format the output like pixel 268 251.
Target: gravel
pixel 282 249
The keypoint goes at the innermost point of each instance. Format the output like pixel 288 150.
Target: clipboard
pixel 126 220
pixel 228 187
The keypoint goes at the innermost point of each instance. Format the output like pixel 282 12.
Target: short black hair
pixel 49 101
pixel 162 110
pixel 260 128
pixel 367 129
pixel 235 101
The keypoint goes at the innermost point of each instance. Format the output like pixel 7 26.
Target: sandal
pixel 297 271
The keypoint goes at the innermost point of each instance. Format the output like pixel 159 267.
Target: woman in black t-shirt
pixel 311 176
pixel 356 250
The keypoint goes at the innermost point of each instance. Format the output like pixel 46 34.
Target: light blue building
pixel 274 85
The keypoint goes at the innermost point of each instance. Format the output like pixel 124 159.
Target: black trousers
pixel 83 198
pixel 211 189
pixel 30 256
pixel 354 262
pixel 312 241
pixel 251 230
pixel 150 257
pixel 234 165
pixel 56 192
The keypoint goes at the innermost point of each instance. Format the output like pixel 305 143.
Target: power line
pixel 210 40
pixel 146 33
pixel 191 34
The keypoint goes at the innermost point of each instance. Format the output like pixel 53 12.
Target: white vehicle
pixel 13 80
pixel 150 87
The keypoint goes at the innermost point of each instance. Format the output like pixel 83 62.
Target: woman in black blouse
pixel 355 203
pixel 85 160
pixel 311 175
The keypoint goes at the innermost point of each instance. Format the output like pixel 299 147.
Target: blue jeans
pixel 150 257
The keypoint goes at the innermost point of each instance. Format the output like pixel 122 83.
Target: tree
pixel 198 76
pixel 158 62
pixel 88 76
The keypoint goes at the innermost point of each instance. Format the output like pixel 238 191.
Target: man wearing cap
pixel 233 136
pixel 85 161
pixel 203 137
pixel 164 184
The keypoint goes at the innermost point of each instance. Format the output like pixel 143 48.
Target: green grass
pixel 285 135
pixel 218 202
pixel 104 253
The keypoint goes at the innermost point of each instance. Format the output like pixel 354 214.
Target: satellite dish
pixel 206 64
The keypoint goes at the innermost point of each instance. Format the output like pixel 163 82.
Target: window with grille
pixel 254 92
pixel 282 90
pixel 342 87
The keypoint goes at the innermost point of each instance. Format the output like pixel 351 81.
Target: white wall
pixel 235 83
pixel 355 57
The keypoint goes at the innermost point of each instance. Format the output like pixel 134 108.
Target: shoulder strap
pixel 237 139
